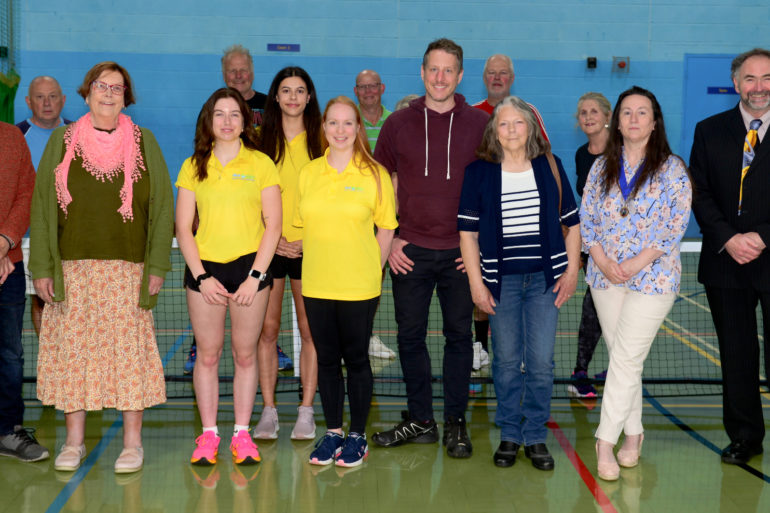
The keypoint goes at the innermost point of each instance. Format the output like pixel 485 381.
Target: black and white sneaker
pixel 23 445
pixel 456 439
pixel 408 431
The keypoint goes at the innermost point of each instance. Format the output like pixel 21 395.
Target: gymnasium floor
pixel 680 470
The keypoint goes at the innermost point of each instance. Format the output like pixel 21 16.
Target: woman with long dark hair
pixel 234 188
pixel 636 206
pixel 291 136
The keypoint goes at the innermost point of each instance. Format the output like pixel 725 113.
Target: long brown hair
pixel 656 152
pixel 272 140
pixel 362 153
pixel 204 133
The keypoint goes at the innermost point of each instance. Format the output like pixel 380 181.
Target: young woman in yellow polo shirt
pixel 291 136
pixel 236 191
pixel 342 197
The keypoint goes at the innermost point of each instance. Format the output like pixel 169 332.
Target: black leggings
pixel 341 330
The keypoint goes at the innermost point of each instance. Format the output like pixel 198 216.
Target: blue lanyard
pixel 626 188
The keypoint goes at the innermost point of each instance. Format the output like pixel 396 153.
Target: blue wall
pixel 172 50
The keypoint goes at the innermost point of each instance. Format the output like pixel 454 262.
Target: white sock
pixel 238 428
pixel 214 429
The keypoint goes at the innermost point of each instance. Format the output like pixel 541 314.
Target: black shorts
pixel 230 275
pixel 282 266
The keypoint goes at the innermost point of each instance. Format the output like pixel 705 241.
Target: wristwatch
pixel 201 277
pixel 259 275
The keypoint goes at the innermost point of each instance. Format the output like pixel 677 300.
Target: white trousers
pixel 630 320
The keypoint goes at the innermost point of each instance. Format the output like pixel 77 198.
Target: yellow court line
pixel 690 334
pixel 692 346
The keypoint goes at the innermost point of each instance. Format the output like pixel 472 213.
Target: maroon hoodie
pixel 414 143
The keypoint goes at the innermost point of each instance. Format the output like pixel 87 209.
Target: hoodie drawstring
pixel 448 143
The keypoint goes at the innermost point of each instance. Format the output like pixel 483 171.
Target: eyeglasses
pixel 368 87
pixel 117 89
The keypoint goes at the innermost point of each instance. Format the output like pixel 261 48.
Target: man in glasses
pixel 238 73
pixel 369 89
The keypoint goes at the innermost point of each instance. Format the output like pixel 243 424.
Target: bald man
pixel 498 78
pixel 369 89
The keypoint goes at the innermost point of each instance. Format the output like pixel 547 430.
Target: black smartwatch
pixel 200 278
pixel 259 275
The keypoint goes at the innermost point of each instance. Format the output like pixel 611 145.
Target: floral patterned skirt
pixel 98 347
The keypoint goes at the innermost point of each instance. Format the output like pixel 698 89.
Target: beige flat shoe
pixel 607 470
pixel 69 458
pixel 629 454
pixel 130 460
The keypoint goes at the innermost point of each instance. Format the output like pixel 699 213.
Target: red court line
pixel 585 474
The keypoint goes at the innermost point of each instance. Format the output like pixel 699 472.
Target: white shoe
pixel 480 357
pixel 379 350
pixel 69 458
pixel 267 427
pixel 304 429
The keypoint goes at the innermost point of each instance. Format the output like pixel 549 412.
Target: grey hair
pixel 236 49
pixel 490 148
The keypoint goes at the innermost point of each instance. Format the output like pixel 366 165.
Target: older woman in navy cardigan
pixel 521 269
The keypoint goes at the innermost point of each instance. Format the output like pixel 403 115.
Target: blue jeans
pixel 523 332
pixel 12 297
pixel 412 294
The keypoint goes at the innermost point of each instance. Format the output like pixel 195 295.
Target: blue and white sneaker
pixel 189 365
pixel 354 451
pixel 327 448
pixel 284 362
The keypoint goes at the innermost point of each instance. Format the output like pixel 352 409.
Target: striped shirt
pixel 520 209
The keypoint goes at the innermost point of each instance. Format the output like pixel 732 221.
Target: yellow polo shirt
pixel 338 213
pixel 294 159
pixel 229 203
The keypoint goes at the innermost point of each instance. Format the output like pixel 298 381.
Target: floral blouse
pixel 657 218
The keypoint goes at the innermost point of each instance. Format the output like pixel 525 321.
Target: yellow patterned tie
pixel 748 155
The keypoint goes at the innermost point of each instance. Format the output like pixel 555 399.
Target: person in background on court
pixel 530 268
pixel 369 89
pixel 102 224
pixel 17 179
pixel 46 101
pixel 593 116
pixel 291 136
pixel 238 73
pixel 404 102
pixel 235 190
pixel 426 148
pixel 343 196
pixel 635 210
pixel 733 213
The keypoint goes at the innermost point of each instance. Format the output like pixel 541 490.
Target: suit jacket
pixel 715 164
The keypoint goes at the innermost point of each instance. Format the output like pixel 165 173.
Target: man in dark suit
pixel 732 188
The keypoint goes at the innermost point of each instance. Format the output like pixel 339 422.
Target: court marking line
pixel 80 474
pixel 697 436
pixel 593 486
pixel 692 346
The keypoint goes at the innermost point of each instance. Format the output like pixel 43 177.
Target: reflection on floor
pixel 680 470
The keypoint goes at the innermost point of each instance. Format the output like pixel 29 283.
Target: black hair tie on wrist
pixel 201 277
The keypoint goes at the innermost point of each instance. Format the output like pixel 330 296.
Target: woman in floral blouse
pixel 636 206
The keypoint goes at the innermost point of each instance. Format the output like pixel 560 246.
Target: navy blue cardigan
pixel 480 212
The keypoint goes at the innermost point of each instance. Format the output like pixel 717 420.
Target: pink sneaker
pixel 244 449
pixel 206 452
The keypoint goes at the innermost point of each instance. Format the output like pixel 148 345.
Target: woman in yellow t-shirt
pixel 291 136
pixel 235 189
pixel 343 196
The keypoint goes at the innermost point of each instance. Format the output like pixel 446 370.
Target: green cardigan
pixel 45 260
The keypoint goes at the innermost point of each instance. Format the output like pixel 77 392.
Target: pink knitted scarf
pixel 105 155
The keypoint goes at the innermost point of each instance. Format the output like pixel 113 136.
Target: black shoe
pixel 541 458
pixel 505 455
pixel 408 431
pixel 456 439
pixel 740 452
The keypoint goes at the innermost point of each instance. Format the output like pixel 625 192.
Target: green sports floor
pixel 680 470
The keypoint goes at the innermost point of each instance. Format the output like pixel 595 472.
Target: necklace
pixel 626 187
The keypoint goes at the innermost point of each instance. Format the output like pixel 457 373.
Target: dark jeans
pixel 341 330
pixel 11 356
pixel 412 294
pixel 735 318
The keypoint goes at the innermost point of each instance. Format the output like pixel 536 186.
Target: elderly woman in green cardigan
pixel 101 230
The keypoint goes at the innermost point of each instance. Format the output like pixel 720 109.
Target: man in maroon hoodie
pixel 426 148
